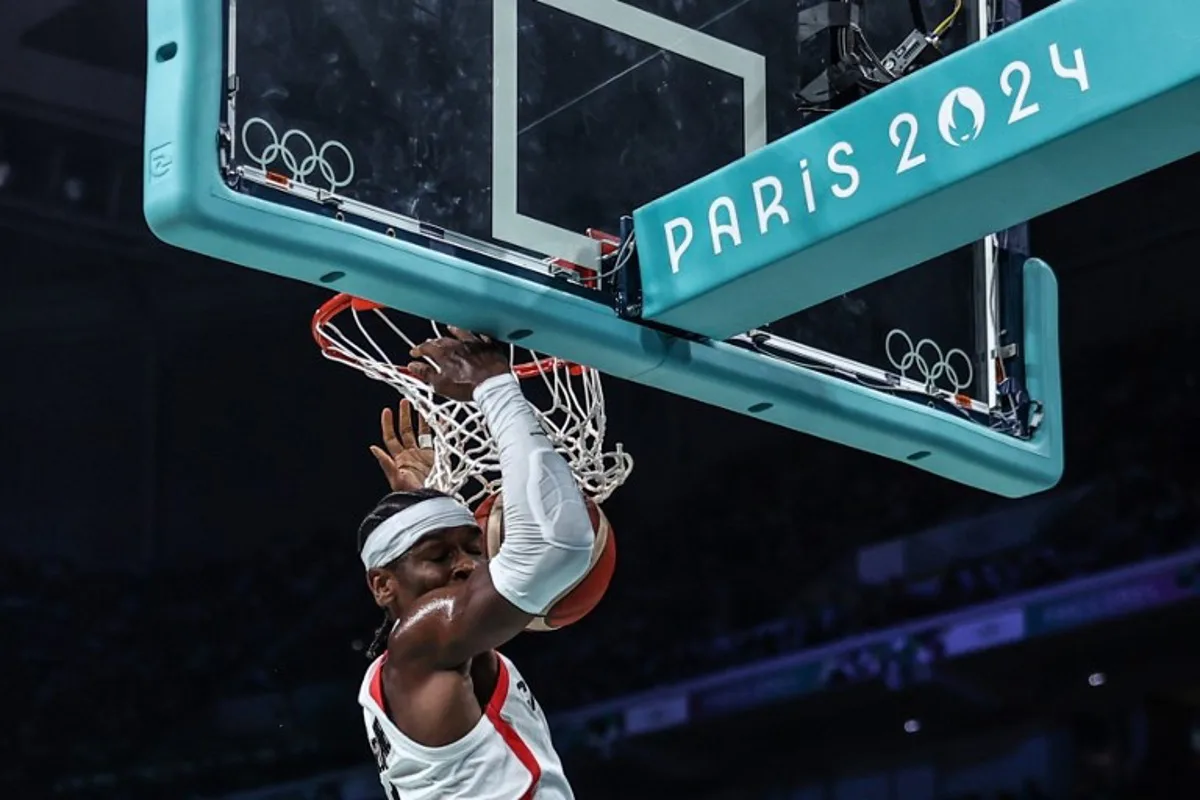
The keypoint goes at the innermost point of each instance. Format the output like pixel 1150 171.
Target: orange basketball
pixel 577 602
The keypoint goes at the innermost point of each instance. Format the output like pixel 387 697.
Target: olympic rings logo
pixel 317 159
pixel 930 362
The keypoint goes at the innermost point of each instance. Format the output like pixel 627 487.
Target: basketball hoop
pixel 569 401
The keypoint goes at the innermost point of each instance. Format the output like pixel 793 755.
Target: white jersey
pixel 508 755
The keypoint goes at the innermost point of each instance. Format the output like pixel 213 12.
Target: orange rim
pixel 339 303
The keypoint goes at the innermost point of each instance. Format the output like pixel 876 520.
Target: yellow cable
pixel 945 24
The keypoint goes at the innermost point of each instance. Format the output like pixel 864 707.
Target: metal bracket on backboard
pixel 628 278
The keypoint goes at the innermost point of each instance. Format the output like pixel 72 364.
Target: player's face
pixel 442 558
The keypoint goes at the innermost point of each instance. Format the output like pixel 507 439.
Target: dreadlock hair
pixel 388 507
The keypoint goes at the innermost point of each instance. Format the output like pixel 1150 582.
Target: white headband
pixel 397 534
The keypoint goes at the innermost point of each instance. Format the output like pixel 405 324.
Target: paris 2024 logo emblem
pixel 960 104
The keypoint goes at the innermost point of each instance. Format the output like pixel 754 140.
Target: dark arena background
pixel 182 611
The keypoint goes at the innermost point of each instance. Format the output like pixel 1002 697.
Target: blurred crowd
pixel 1120 520
pixel 112 666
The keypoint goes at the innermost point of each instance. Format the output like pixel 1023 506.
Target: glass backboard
pixel 397 105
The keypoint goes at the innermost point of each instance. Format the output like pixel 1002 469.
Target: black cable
pixel 918 15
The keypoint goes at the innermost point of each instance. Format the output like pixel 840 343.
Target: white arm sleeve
pixel 547 531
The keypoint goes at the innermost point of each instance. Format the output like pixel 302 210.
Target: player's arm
pixel 547 531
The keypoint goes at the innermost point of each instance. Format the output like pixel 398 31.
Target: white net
pixel 568 399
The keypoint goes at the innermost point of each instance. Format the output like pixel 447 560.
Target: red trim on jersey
pixel 376 687
pixel 508 733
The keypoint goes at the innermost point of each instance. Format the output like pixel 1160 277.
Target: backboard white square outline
pixel 508 224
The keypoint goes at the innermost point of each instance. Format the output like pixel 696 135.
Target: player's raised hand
pixel 408 458
pixel 454 365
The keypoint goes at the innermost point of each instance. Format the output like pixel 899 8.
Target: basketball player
pixel 447 716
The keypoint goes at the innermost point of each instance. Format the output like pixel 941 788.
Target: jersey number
pixel 379 746
pixel 381 750
pixel 523 688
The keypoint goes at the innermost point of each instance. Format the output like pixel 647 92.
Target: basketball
pixel 577 602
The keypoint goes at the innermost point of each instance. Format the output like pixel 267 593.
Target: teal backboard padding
pixel 1072 100
pixel 188 204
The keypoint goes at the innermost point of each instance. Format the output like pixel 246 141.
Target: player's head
pixel 415 542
